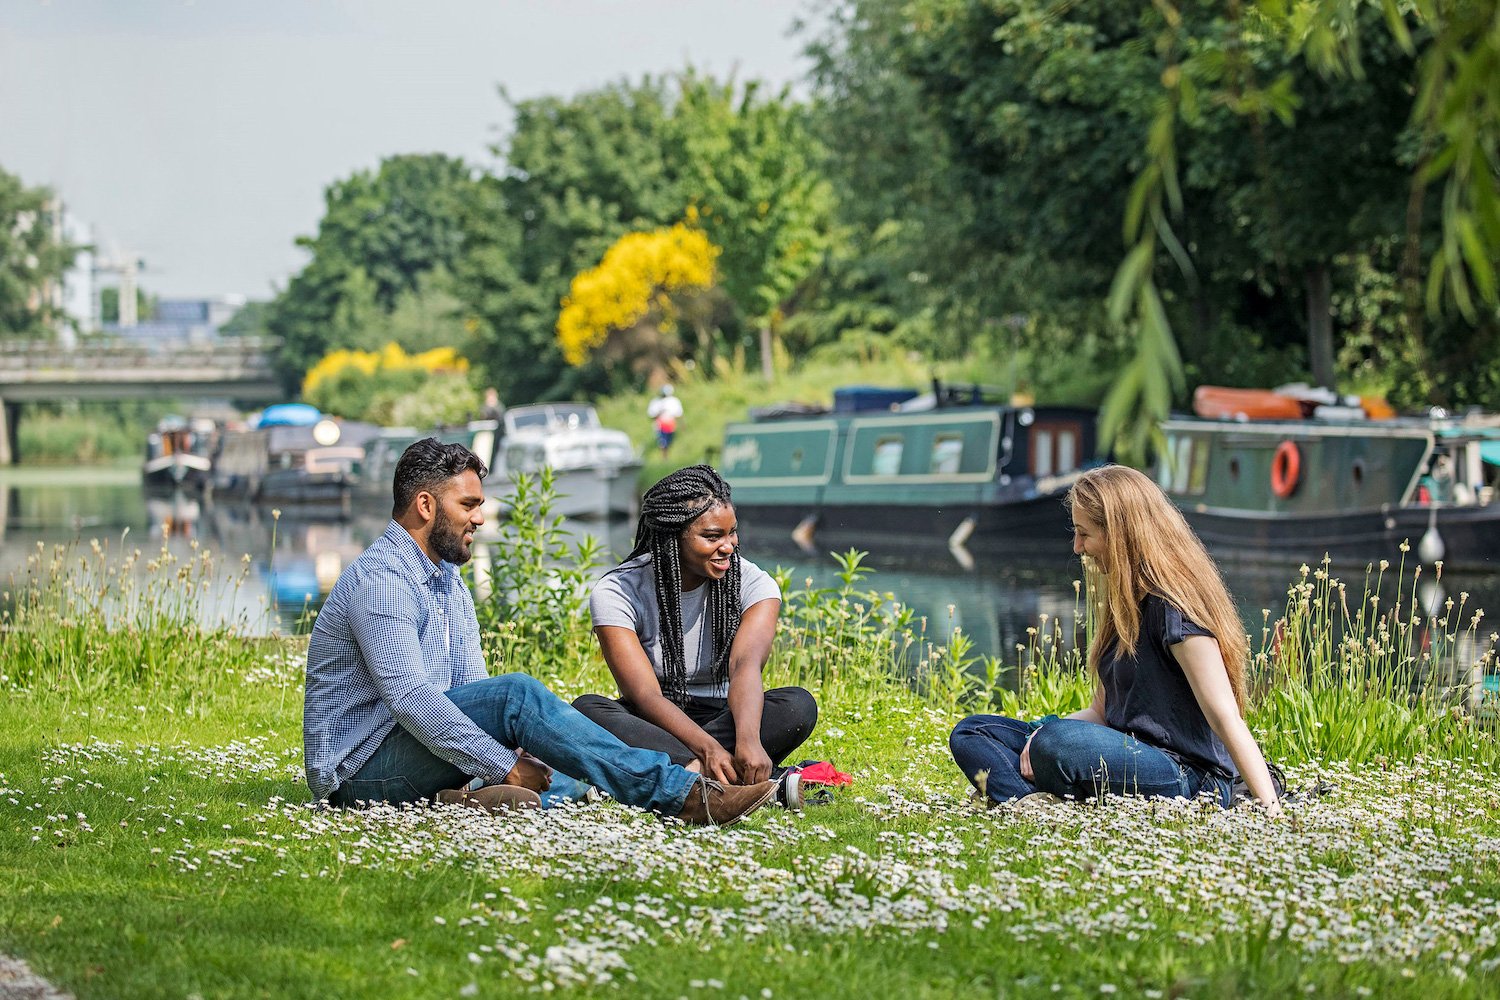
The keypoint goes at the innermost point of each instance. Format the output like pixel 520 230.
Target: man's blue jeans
pixel 519 711
pixel 1071 757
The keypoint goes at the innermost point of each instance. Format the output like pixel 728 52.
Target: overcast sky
pixel 200 135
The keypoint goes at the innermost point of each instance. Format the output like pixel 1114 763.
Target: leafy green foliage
pixel 582 172
pixel 381 235
pixel 533 597
pixel 32 258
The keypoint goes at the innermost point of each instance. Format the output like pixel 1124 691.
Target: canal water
pixel 269 572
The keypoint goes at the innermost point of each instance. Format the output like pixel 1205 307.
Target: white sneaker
pixel 789 790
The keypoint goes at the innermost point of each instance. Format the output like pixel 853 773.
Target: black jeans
pixel 785 723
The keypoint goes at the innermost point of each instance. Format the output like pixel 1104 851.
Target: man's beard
pixel 447 543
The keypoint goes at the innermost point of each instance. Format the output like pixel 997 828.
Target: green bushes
pixel 80 437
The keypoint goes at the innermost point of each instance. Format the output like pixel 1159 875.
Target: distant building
pixel 180 321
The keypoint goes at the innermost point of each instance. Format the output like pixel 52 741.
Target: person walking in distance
pixel 665 412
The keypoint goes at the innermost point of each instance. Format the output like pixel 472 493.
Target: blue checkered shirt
pixel 396 633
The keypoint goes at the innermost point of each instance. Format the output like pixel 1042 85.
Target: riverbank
pixel 155 838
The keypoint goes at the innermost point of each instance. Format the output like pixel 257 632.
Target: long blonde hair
pixel 1149 549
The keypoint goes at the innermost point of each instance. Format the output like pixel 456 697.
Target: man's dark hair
pixel 667 510
pixel 427 465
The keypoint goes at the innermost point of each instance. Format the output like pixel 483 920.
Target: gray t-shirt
pixel 626 597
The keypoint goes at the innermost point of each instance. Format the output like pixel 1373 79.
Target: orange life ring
pixel 1286 466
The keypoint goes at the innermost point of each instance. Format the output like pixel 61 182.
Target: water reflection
pixel 294 560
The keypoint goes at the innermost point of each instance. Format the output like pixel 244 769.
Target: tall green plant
pixel 84 620
pixel 532 600
pixel 1345 678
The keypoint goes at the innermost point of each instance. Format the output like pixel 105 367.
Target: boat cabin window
pixel 887 458
pixel 1054 448
pixel 525 458
pixel 947 454
pixel 1184 465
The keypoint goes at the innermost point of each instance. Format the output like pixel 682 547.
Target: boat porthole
pixel 797 460
pixel 1234 469
pixel 1286 465
pixel 1357 470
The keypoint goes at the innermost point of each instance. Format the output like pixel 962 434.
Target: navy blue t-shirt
pixel 1148 695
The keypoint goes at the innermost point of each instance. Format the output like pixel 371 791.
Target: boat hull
pixel 1470 536
pixel 981 482
pixel 180 471
pixel 914 532
pixel 593 493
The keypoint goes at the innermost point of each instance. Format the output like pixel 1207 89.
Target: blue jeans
pixel 1071 757
pixel 519 711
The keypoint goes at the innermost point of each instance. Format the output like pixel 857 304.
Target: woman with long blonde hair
pixel 1168 658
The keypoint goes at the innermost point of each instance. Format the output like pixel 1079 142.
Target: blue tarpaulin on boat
pixel 289 415
pixel 1490 451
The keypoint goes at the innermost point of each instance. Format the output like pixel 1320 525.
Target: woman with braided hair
pixel 686 626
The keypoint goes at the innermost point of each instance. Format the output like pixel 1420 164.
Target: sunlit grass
pixel 155 838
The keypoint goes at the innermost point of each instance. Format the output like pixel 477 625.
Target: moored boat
pixel 594 468
pixel 1343 485
pixel 292 457
pixel 951 469
pixel 178 455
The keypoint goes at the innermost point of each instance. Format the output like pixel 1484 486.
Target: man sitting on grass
pixel 400 708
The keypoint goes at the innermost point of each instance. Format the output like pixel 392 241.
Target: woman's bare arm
pixel 747 689
pixel 632 671
pixel 1203 664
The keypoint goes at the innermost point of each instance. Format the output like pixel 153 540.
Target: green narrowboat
pixel 943 470
pixel 1349 487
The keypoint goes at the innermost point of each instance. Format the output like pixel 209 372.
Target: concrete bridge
pixel 224 368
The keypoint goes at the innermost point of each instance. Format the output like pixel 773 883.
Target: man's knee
pixel 517 688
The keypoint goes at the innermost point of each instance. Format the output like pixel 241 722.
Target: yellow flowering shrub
pixel 389 360
pixel 389 385
pixel 637 275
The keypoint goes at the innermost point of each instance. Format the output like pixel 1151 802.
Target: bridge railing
pixel 252 353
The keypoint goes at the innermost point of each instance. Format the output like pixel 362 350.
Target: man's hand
pixel 530 773
pixel 718 765
pixel 1025 767
pixel 752 763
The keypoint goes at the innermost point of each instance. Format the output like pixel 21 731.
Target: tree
pixel 1455 119
pixel 33 259
pixel 631 304
pixel 390 386
pixel 750 175
pixel 248 321
pixel 582 172
pixel 380 234
pixel 1242 170
pixel 579 174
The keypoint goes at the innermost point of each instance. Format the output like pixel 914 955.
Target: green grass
pixel 154 842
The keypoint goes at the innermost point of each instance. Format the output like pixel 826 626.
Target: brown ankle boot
pixel 491 798
pixel 710 803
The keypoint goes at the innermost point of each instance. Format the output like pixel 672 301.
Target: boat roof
pixel 550 416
